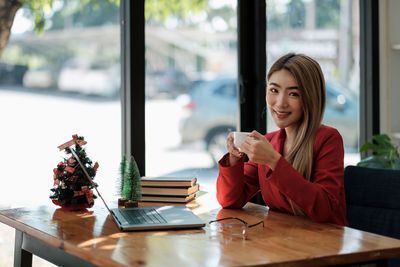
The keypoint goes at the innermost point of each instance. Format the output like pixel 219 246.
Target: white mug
pixel 238 138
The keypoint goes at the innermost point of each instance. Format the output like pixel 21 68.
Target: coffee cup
pixel 238 138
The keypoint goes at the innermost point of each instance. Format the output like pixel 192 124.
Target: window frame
pixel 133 80
pixel 251 72
pixel 369 70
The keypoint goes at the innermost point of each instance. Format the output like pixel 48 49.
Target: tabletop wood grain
pixel 284 240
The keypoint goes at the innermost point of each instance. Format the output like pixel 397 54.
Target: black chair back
pixel 373 201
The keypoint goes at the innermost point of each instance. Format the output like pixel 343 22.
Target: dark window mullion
pixel 252 68
pixel 369 69
pixel 251 65
pixel 133 80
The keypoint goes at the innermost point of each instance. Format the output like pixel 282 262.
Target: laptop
pixel 148 218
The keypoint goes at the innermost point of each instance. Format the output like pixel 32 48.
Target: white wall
pixel 389 31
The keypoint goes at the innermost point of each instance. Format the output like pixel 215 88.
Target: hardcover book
pixel 179 199
pixel 168 181
pixel 170 191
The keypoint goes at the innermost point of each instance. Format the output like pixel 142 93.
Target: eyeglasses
pixel 232 226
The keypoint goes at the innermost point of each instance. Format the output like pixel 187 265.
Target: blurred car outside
pixel 12 74
pixel 90 78
pixel 40 78
pixel 210 113
pixel 167 84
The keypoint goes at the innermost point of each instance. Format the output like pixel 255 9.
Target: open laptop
pixel 148 218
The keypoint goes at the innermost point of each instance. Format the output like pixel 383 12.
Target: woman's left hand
pixel 259 150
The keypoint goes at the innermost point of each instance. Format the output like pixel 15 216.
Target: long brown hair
pixel 311 82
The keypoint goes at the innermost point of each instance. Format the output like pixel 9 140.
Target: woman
pixel 298 169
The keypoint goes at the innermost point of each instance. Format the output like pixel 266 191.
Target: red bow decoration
pixel 95 167
pixel 85 191
pixel 72 178
pixel 61 164
pixel 78 193
pixel 69 169
pixel 89 197
pixel 58 173
pixel 71 161
pixel 71 142
pixel 55 177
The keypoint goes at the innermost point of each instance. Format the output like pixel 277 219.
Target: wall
pixel 389 67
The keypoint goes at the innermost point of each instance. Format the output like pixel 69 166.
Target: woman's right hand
pixel 234 153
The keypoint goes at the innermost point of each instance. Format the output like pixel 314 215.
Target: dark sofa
pixel 373 201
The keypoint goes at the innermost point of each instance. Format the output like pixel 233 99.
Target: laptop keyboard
pixel 140 216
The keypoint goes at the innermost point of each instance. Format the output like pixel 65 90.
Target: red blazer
pixel 322 198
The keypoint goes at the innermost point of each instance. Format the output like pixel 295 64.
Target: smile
pixel 281 115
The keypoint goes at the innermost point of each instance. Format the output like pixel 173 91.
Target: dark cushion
pixel 373 201
pixel 370 187
pixel 375 220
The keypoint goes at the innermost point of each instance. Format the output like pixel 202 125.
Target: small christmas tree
pixel 72 189
pixel 129 185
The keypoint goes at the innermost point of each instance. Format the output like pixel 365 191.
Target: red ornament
pixel 96 166
pixel 55 177
pixel 71 161
pixel 60 164
pixel 89 197
pixel 69 169
pixel 81 142
pixel 72 178
pixel 74 140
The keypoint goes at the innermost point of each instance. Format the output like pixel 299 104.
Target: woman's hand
pixel 259 150
pixel 234 153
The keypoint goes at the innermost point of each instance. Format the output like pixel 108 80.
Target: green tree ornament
pixel 133 171
pixel 129 184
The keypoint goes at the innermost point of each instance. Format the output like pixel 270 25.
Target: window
pixel 64 82
pixel 328 31
pixel 191 104
pixel 227 90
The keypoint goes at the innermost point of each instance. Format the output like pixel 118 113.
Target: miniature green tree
pixel 122 175
pixel 129 185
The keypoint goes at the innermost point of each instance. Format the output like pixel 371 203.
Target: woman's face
pixel 284 99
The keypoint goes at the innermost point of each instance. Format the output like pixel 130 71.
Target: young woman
pixel 298 169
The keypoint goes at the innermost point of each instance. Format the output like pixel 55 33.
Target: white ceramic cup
pixel 238 138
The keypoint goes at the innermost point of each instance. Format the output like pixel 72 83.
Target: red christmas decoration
pixel 72 190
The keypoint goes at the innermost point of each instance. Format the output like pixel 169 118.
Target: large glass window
pixel 65 81
pixel 191 104
pixel 328 31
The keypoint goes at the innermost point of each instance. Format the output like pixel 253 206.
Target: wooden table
pixel 91 238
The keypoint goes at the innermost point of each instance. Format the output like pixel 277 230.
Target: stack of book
pixel 169 189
